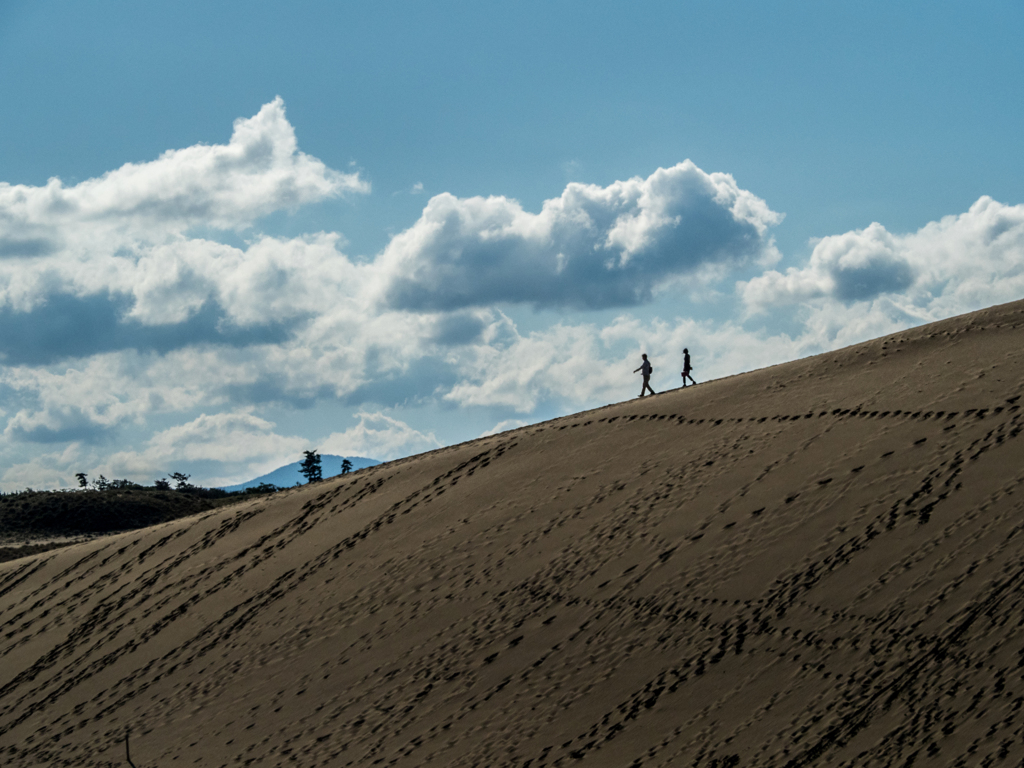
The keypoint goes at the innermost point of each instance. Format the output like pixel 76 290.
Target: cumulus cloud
pixel 854 266
pixel 564 363
pixel 233 436
pixel 379 436
pixel 49 469
pixel 592 247
pixel 103 264
pixel 74 404
pixel 260 170
pixel 954 265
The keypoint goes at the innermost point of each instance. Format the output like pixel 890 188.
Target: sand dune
pixel 819 563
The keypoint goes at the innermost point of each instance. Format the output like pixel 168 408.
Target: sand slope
pixel 819 563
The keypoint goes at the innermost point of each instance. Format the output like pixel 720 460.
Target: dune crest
pixel 819 563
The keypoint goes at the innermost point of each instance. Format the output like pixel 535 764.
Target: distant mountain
pixel 289 475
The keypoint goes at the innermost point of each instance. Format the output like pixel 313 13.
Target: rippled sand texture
pixel 819 563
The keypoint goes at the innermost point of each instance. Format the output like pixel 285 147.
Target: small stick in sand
pixel 127 750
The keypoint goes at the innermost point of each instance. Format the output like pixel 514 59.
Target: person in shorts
pixel 687 367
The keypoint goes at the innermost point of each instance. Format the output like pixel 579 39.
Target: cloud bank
pixel 137 343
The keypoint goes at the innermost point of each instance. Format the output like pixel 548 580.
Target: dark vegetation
pixel 35 521
pixel 311 469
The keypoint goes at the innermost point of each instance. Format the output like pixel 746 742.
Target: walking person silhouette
pixel 645 370
pixel 686 367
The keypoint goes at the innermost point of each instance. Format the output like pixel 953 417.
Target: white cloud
pixel 276 279
pixel 955 265
pixel 226 437
pixel 850 267
pixel 125 234
pixel 227 186
pixel 564 363
pixel 378 436
pixel 591 247
pixel 971 260
pixel 81 403
pixel 50 469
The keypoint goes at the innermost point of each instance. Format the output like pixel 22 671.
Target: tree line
pixel 310 468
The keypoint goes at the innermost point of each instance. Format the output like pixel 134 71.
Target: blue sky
pixel 373 230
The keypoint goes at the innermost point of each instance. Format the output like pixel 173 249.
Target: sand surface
pixel 819 563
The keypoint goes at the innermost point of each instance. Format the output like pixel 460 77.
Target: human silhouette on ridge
pixel 645 370
pixel 686 367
